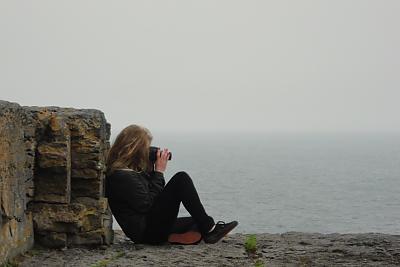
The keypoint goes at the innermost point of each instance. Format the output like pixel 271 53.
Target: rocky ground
pixel 288 249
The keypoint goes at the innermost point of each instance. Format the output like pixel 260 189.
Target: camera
pixel 153 154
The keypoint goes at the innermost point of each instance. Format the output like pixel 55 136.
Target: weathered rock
pixel 51 239
pixel 84 135
pixel 100 205
pixel 52 164
pixel 61 218
pixel 52 154
pixel 288 249
pixel 16 178
pixel 53 185
pixel 91 238
pixel 87 188
pixel 53 174
pixel 85 173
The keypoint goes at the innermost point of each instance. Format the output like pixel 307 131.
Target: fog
pixel 173 66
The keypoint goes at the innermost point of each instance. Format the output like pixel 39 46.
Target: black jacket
pixel 131 195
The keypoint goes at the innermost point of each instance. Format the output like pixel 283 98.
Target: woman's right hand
pixel 162 160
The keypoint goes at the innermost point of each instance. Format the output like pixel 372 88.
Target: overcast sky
pixel 208 65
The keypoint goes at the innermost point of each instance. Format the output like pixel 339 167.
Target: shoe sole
pixel 187 238
pixel 212 241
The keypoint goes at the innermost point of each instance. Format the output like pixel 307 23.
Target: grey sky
pixel 208 65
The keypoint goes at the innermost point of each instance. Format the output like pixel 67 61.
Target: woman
pixel 144 206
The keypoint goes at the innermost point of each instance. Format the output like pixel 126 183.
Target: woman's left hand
pixel 162 160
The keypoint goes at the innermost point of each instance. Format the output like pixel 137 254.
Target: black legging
pixel 162 218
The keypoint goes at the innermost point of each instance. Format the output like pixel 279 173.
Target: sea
pixel 280 182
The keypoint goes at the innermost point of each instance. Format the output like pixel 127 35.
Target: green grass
pixel 251 248
pixel 104 262
pixel 259 263
pixel 251 244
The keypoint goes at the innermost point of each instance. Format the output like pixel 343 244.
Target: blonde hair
pixel 130 150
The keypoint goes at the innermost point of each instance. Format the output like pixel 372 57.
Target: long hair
pixel 130 150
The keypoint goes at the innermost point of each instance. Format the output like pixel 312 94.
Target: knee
pixel 182 177
pixel 183 174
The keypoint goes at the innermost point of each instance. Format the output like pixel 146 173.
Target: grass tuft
pixel 251 244
pixel 259 263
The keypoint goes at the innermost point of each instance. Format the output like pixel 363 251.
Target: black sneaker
pixel 221 229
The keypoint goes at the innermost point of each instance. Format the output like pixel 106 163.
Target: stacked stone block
pixel 52 171
pixel 69 207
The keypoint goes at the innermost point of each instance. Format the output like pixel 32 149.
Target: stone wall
pixel 52 171
pixel 16 180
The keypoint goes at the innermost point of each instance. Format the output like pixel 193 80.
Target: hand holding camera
pixel 160 158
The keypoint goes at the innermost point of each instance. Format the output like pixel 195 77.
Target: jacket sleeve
pixel 157 181
pixel 140 194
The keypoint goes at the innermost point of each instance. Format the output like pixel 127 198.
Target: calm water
pixel 293 182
